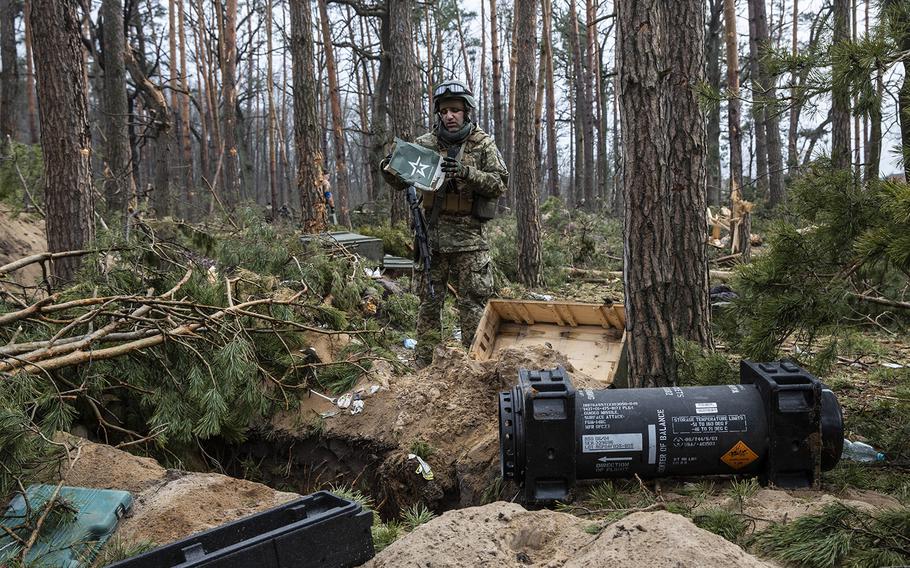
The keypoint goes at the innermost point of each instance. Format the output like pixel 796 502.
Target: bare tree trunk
pixel 792 131
pixel 590 64
pixel 118 185
pixel 404 92
pixel 688 292
pixel 341 163
pixel 712 53
pixel 9 79
pixel 186 145
pixel 272 123
pixel 739 208
pixel 484 95
pixel 497 78
pixel 306 123
pixel 31 95
pixel 231 165
pixel 646 235
pixel 552 160
pixel 582 191
pixel 760 181
pixel 464 52
pixel 840 96
pixel 526 200
pixel 65 134
pixel 766 99
pixel 875 132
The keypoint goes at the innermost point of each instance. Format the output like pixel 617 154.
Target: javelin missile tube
pixel 780 424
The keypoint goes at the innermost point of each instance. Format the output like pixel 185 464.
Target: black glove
pixel 454 168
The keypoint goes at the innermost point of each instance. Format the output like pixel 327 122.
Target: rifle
pixel 421 236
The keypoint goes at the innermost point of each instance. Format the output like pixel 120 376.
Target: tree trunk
pixel 776 189
pixel 582 108
pixel 272 123
pixel 65 134
pixel 712 54
pixel 792 131
pixel 591 191
pixel 9 79
pixel 760 181
pixel 30 76
pixel 688 293
pixel 231 165
pixel 497 78
pixel 118 186
pixel 186 144
pixel 733 117
pixel 341 162
pixel 404 89
pixel 646 235
pixel 525 163
pixel 840 96
pixel 875 131
pixel 552 160
pixel 306 123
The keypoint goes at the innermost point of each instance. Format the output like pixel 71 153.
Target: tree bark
pixel 118 175
pixel 760 180
pixel 552 159
pixel 712 54
pixel 404 88
pixel 497 77
pixel 525 163
pixel 9 79
pixel 582 191
pixel 272 122
pixel 30 93
pixel 646 234
pixel 767 92
pixel 733 117
pixel 840 95
pixel 591 182
pixel 231 165
pixel 306 122
pixel 65 134
pixel 341 162
pixel 185 141
pixel 688 293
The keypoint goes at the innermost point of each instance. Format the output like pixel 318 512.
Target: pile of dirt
pixel 506 535
pixel 20 236
pixel 447 412
pixel 167 504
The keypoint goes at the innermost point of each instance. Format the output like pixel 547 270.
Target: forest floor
pixel 447 415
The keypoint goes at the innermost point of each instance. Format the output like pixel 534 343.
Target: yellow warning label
pixel 739 456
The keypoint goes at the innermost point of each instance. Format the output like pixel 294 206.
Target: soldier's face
pixel 451 111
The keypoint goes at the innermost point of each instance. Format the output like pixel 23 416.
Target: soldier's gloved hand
pixel 454 168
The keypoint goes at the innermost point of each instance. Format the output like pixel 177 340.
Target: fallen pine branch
pixel 881 301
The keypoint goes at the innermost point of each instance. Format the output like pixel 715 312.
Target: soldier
pixel 476 176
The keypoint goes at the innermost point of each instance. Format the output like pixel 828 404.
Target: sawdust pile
pixel 506 535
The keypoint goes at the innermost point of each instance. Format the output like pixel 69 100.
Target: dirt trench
pixel 447 412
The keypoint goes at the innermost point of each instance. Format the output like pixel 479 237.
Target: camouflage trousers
pixel 471 273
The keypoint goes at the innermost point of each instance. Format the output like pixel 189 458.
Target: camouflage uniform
pixel 461 254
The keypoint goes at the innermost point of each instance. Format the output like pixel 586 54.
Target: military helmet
pixel 453 89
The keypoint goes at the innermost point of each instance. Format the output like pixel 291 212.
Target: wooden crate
pixel 591 336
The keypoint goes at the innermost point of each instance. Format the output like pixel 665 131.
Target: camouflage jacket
pixel 457 230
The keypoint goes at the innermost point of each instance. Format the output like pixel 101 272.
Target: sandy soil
pixel 20 236
pixel 450 406
pixel 506 535
pixel 168 504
